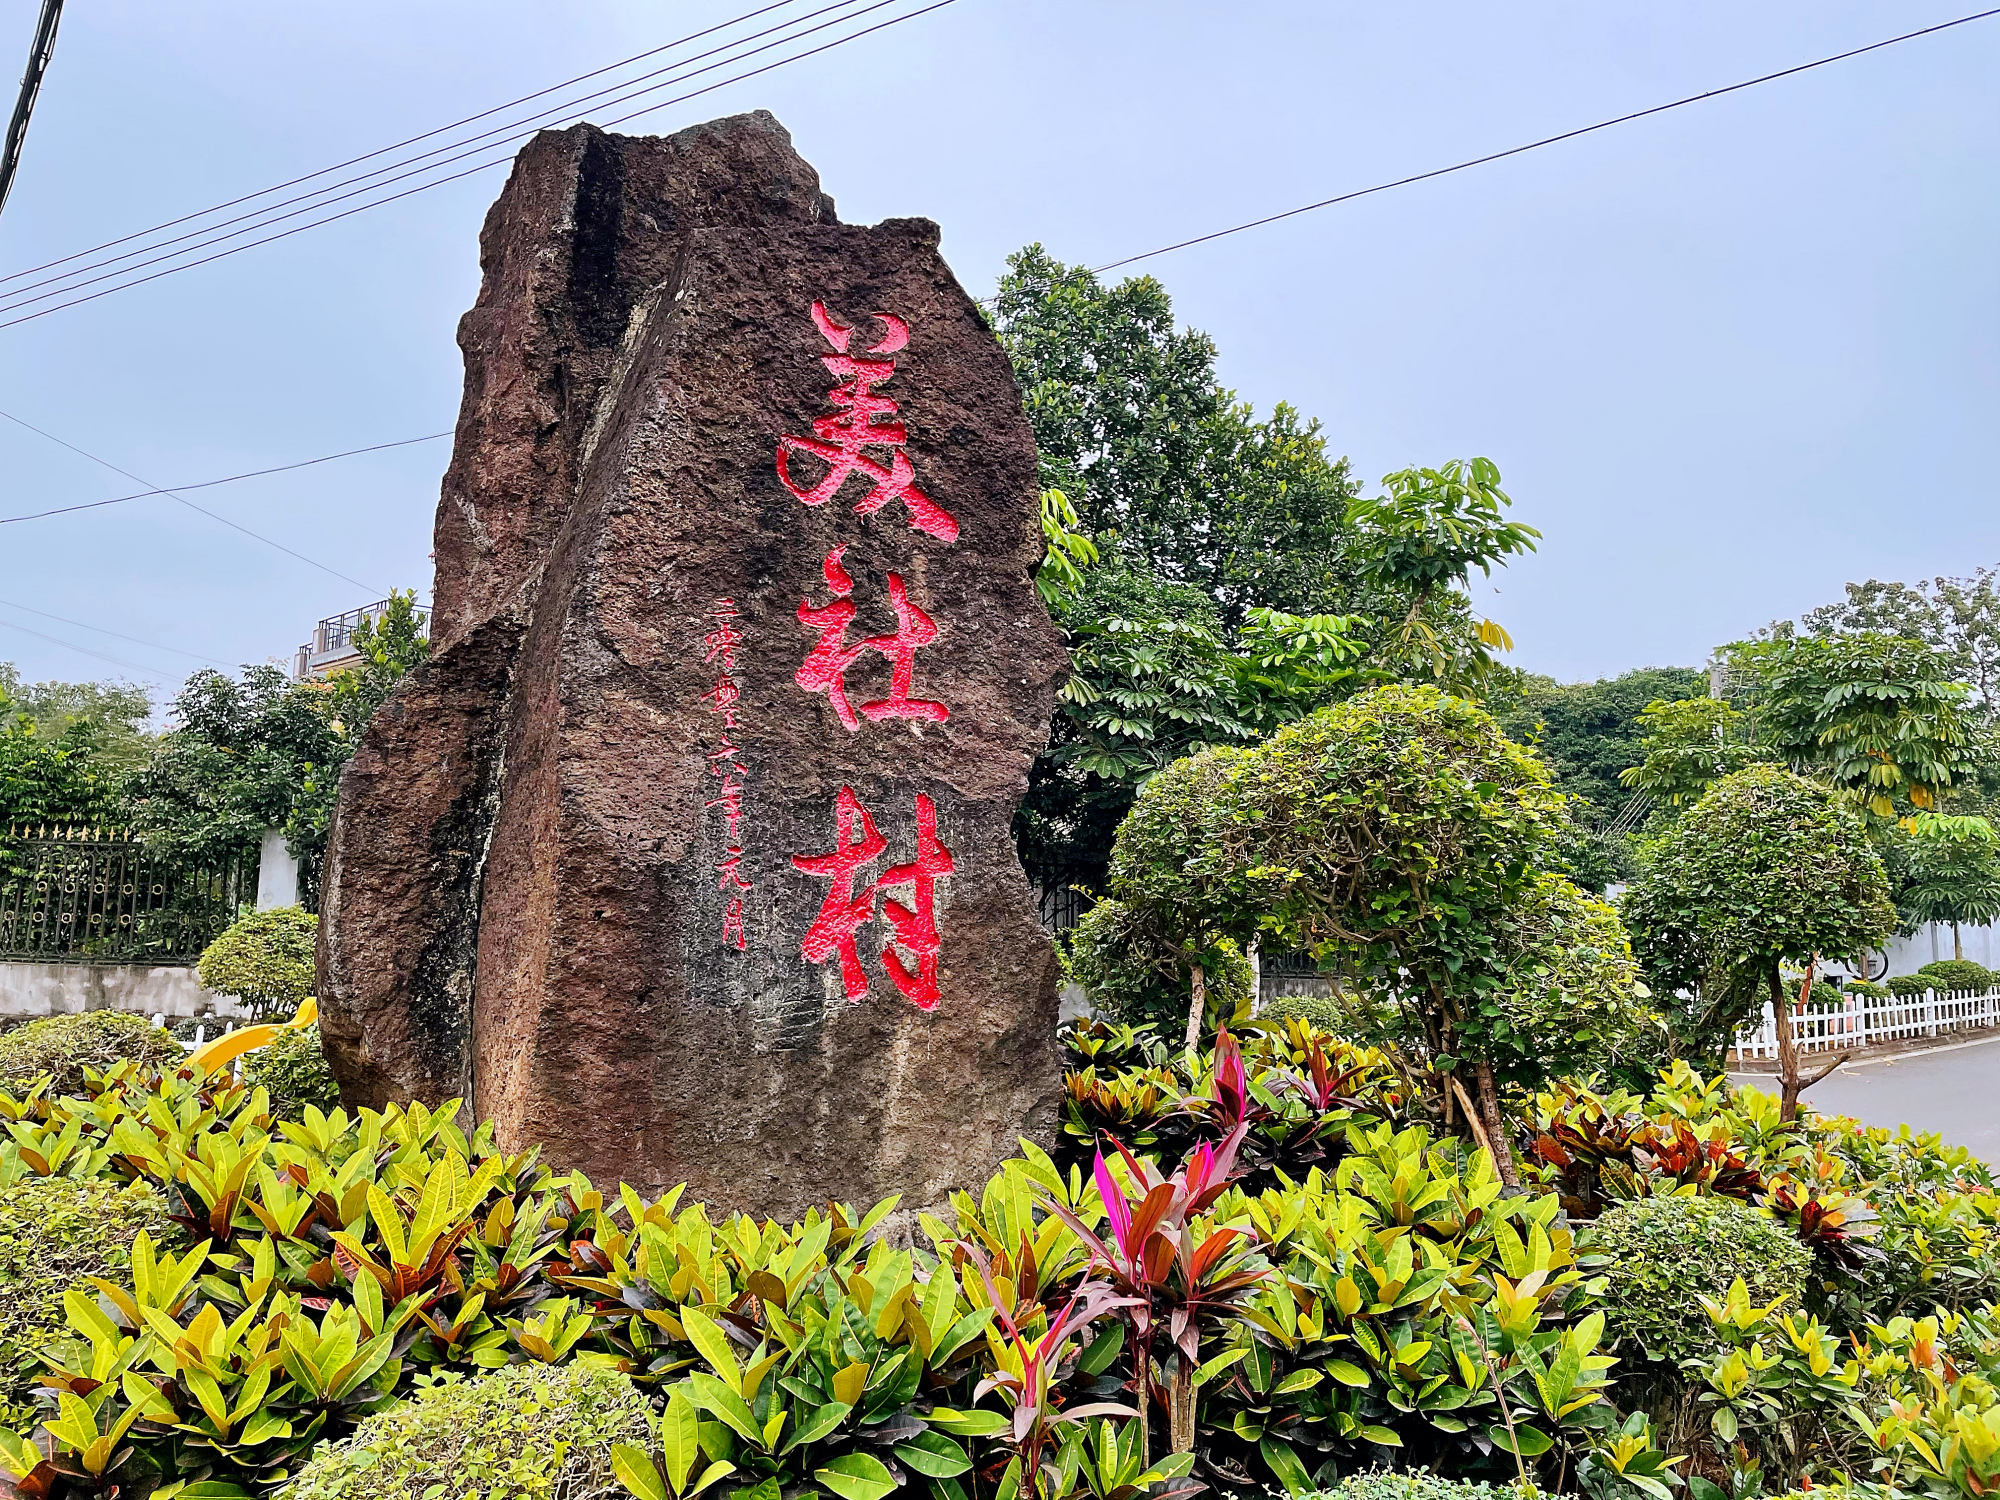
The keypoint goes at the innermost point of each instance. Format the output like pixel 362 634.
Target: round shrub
pixel 1867 990
pixel 54 1232
pixel 1903 986
pixel 265 960
pixel 294 1070
pixel 1321 1011
pixel 1957 974
pixel 65 1045
pixel 525 1432
pixel 1662 1255
pixel 1133 977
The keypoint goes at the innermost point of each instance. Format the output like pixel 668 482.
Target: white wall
pixel 30 991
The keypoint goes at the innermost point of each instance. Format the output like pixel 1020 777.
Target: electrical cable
pixel 266 216
pixel 132 639
pixel 399 145
pixel 1567 135
pixel 500 160
pixel 129 666
pixel 207 484
pixel 106 463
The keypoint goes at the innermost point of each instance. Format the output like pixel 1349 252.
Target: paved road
pixel 1954 1091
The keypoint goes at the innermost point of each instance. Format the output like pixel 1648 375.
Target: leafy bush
pixel 1957 974
pixel 525 1431
pixel 294 1071
pixel 1905 986
pixel 55 1232
pixel 64 1046
pixel 1133 977
pixel 1867 989
pixel 1414 1484
pixel 265 960
pixel 1662 1255
pixel 1321 1011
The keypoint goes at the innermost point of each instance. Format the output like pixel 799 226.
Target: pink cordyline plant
pixel 1165 1273
pixel 1029 1375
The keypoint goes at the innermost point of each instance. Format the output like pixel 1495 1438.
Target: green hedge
pixel 1322 1011
pixel 1906 985
pixel 525 1432
pixel 54 1233
pixel 1416 1484
pixel 1957 974
pixel 1662 1255
pixel 66 1045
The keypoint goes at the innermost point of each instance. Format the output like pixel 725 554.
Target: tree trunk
pixel 1197 1003
pixel 1788 1049
pixel 1256 958
pixel 1957 943
pixel 1496 1127
pixel 1180 1407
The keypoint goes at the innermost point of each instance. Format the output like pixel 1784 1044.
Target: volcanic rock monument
pixel 686 856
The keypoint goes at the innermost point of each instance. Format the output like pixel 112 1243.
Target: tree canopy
pixel 1767 868
pixel 1589 732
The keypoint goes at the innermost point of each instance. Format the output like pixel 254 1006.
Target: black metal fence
pixel 88 895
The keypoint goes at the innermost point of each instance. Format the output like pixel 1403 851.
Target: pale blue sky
pixel 1727 358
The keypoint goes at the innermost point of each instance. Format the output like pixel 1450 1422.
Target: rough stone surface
pixel 586 227
pixel 560 943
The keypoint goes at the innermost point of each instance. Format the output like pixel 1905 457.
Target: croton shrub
pixel 1252 1272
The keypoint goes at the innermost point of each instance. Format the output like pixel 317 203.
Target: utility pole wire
pixel 31 88
pixel 506 156
pixel 100 630
pixel 108 464
pixel 1567 135
pixel 397 146
pixel 209 484
pixel 262 218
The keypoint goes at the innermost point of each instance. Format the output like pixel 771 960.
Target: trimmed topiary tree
pixel 64 1046
pixel 1766 869
pixel 1396 832
pixel 1133 977
pixel 54 1233
pixel 1956 974
pixel 265 960
pixel 1663 1255
pixel 1181 895
pixel 527 1432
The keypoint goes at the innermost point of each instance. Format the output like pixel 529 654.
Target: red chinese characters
pixel 859 423
pixel 825 668
pixel 912 925
pixel 719 645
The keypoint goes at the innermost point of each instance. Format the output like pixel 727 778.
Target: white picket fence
pixel 1861 1021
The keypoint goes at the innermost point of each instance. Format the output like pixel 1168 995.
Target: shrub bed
pixel 66 1047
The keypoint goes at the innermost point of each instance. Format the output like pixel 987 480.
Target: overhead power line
pixel 209 484
pixel 130 666
pixel 505 156
pixel 39 56
pixel 1567 135
pixel 266 216
pixel 267 541
pixel 397 146
pixel 100 630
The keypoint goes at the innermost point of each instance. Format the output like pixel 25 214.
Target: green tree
pixel 117 711
pixel 1768 868
pixel 1882 719
pixel 1421 539
pixel 1951 874
pixel 1959 617
pixel 52 771
pixel 1393 835
pixel 1183 899
pixel 256 752
pixel 1158 456
pixel 1588 732
pixel 1686 746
